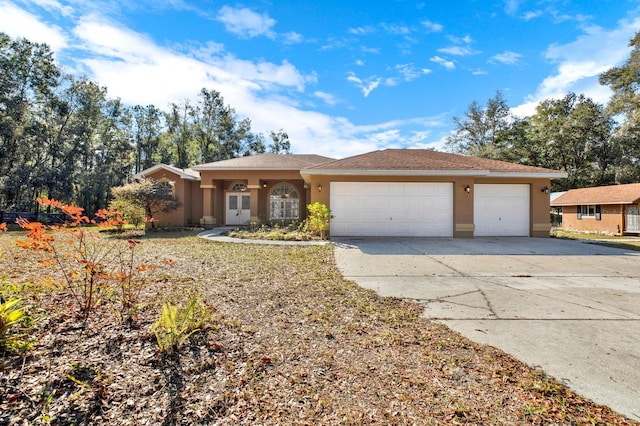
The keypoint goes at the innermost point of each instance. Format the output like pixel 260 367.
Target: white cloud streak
pixel 17 22
pixel 507 57
pixel 580 63
pixel 432 27
pixel 246 23
pixel 441 61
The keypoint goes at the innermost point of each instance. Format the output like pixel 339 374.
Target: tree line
pixel 595 144
pixel 63 137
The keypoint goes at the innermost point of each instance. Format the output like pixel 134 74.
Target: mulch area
pixel 289 341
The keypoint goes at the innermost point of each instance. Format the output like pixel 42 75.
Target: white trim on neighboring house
pixel 187 174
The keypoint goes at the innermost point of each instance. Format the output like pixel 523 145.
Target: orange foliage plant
pixel 93 269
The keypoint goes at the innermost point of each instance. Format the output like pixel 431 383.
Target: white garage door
pixel 402 209
pixel 501 210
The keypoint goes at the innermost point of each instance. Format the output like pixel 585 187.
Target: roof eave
pixel 586 203
pixel 167 168
pixel 530 175
pixel 357 172
pixel 479 173
pixel 229 169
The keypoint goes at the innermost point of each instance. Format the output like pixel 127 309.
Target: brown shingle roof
pixel 613 194
pixel 266 161
pixel 425 160
pixel 188 174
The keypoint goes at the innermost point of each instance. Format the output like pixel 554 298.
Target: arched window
pixel 284 203
pixel 238 187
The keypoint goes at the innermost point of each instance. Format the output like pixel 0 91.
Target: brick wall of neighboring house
pixel 611 220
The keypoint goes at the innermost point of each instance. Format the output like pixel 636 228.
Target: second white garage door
pixel 402 209
pixel 501 210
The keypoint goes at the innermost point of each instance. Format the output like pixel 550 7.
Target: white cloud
pixel 441 61
pixel 374 50
pixel 204 51
pixel 54 6
pixel 367 29
pixel 292 38
pixel 16 22
pixel 367 86
pixel 580 63
pixel 410 72
pixel 462 46
pixel 458 50
pixel 507 57
pixel 246 23
pixel 432 27
pixel 461 40
pixel 511 6
pixel 328 98
pixel 396 29
pixel 532 14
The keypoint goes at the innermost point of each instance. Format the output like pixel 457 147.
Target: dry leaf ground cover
pixel 289 341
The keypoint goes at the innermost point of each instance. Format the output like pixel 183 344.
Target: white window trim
pixel 293 208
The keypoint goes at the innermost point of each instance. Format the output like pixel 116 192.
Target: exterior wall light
pixel 264 184
pixel 319 188
pixel 467 189
pixel 545 190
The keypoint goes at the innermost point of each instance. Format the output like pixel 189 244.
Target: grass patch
pixel 290 342
pixel 620 242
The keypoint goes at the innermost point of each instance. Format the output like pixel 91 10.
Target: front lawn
pixel 621 242
pixel 287 341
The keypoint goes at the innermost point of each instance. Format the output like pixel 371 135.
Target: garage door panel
pixel 501 209
pixel 391 209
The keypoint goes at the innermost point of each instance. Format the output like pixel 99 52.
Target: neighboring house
pixel 395 192
pixel 604 209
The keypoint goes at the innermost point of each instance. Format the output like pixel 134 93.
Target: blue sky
pixel 341 77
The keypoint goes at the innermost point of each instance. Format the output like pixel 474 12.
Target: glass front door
pixel 238 208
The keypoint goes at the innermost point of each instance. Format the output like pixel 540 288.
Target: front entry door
pixel 238 208
pixel 632 222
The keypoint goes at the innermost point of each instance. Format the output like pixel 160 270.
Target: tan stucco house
pixel 610 209
pixel 393 192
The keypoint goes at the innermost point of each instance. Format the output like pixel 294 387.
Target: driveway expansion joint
pixel 572 313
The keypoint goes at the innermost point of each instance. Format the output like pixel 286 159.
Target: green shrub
pixel 176 324
pixel 319 219
pixel 132 213
pixel 11 314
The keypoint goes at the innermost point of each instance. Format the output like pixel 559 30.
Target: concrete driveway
pixel 569 307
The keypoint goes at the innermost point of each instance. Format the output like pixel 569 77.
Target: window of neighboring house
pixel 284 203
pixel 589 210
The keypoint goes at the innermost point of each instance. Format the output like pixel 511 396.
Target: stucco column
pixel 253 192
pixel 463 222
pixel 207 220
